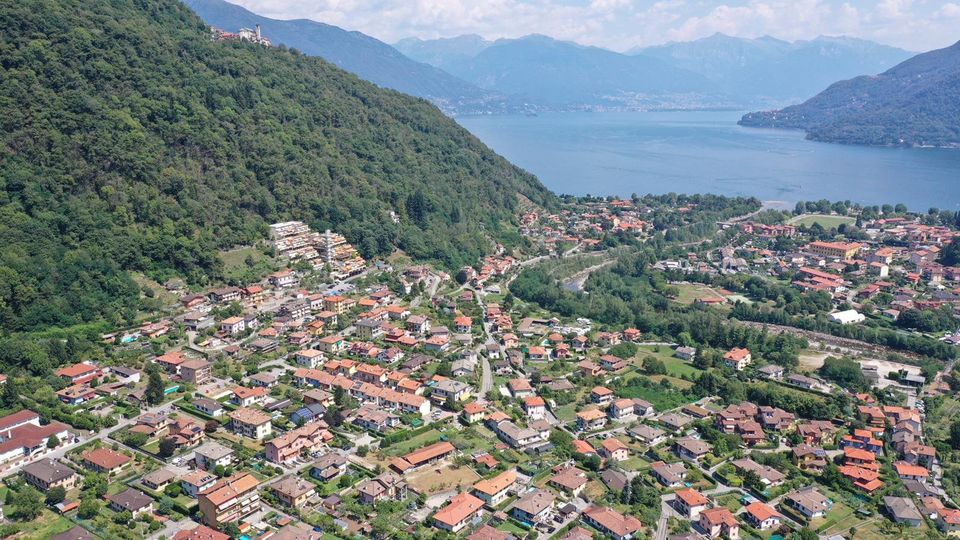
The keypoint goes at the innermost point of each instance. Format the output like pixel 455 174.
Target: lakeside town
pixel 799 385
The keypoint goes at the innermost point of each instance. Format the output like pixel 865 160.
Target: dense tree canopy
pixel 129 141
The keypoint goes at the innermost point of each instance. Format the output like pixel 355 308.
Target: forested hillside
pixel 132 142
pixel 915 103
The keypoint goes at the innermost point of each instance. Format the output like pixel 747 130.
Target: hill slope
pixel 443 52
pixel 130 141
pixel 916 103
pixel 772 70
pixel 357 53
pixel 554 72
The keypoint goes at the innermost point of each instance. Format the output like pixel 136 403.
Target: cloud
pixel 621 24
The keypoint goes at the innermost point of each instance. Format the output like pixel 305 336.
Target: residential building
pixel 307 438
pixel 293 491
pixel 195 482
pixel 106 461
pixel 250 423
pixel 461 510
pixel 131 500
pixel 690 502
pixel 47 473
pixel 533 507
pixel 212 454
pixel 737 358
pixel 494 491
pixel 719 522
pixel 761 516
pixel 611 523
pixel 230 500
pixel 196 371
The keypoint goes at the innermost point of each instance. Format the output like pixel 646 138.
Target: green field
pixel 675 366
pixel 825 221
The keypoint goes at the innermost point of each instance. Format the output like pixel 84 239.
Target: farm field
pixel 444 477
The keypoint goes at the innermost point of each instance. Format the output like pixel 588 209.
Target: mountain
pixel 561 73
pixel 915 103
pixel 444 52
pixel 130 141
pixel 769 70
pixel 358 53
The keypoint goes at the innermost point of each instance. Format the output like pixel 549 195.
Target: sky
pixel 916 25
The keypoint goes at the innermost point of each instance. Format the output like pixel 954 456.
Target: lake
pixel 620 153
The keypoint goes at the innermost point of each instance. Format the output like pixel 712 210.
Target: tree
pixel 955 434
pixel 89 508
pixel 173 490
pixel 155 388
pixel 55 495
pixel 232 530
pixel 28 504
pixel 167 447
pixel 654 366
pixel 52 442
pixel 122 517
pixel 135 439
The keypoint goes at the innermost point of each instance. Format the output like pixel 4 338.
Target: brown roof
pixel 613 521
pixel 498 483
pixel 229 488
pixel 106 458
pixel 460 508
pixel 200 533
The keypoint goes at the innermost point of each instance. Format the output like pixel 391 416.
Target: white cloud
pixel 621 24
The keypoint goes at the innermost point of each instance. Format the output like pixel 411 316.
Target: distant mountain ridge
pixel 560 73
pixel 775 70
pixel 765 71
pixel 915 103
pixel 360 54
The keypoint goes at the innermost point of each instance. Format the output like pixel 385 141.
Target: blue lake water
pixel 619 153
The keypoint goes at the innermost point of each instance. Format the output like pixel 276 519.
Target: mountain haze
pixel 444 53
pixel 769 69
pixel 916 103
pixel 129 141
pixel 561 73
pixel 358 53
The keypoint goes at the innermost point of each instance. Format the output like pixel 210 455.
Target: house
pixel 461 510
pixel 79 373
pixel 195 482
pixel 647 435
pixel 233 326
pixel 209 407
pixel 768 475
pixel 771 371
pixel 493 491
pixel 621 409
pixel 686 353
pixel 520 388
pixel 601 395
pixel 691 449
pixel 675 422
pixel 159 479
pixel 802 381
pixel 907 471
pixel 293 491
pixel 737 358
pixel 196 371
pixel 614 450
pixel 423 456
pixel 463 325
pixel 47 473
pixel 849 316
pixel 719 522
pixel 809 458
pixel 450 389
pixel 131 500
pixel 106 461
pixel 533 507
pixel 761 516
pixel 570 480
pixel 535 407
pixel 611 523
pixel 229 500
pixel 245 397
pixel 310 358
pixel 591 419
pixel 903 510
pixel 250 423
pixel 76 394
pixel 211 454
pixel 263 380
pixel 328 466
pixel 386 486
pixel 614 479
pixel 690 502
pixel 375 419
pixel 670 475
pixel 809 502
pixel 473 412
pixel 307 438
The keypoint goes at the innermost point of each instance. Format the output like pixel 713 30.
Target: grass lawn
pixel 635 463
pixel 566 413
pixel 691 292
pixel 730 501
pixel 661 399
pixel 47 525
pixel 675 366
pixel 428 437
pixel 825 221
pixel 678 383
pixel 510 526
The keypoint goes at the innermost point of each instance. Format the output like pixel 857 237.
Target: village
pixel 339 398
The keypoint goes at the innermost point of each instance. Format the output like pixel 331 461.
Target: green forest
pixel 133 142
